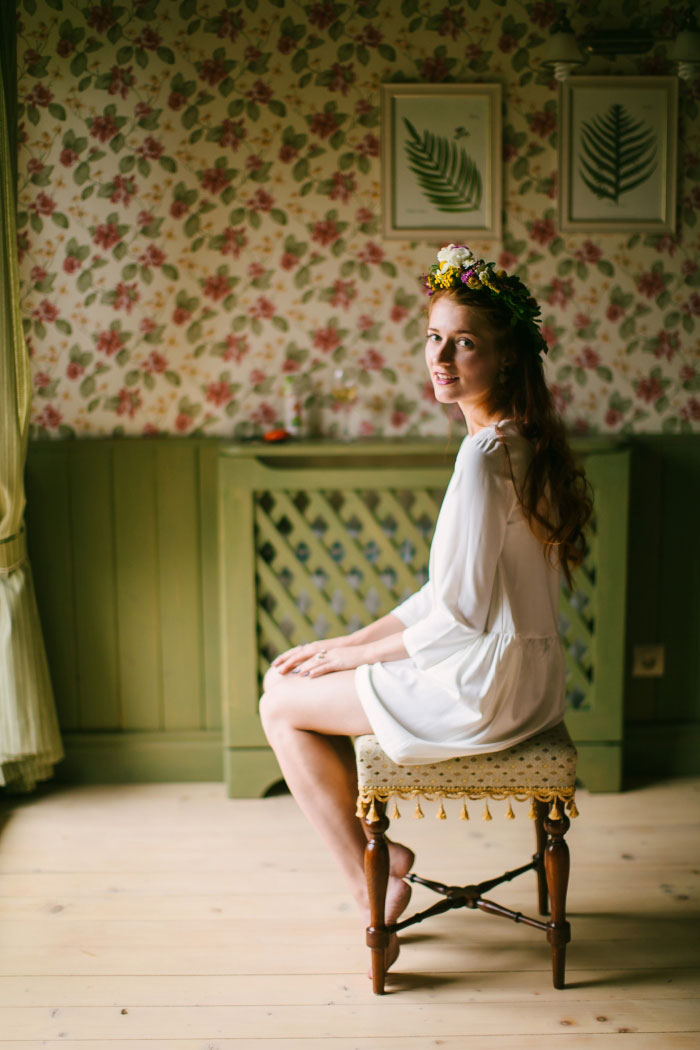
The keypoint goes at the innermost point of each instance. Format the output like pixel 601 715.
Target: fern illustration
pixel 445 172
pixel 617 153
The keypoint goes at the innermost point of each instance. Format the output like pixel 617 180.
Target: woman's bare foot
pixel 401 859
pixel 398 894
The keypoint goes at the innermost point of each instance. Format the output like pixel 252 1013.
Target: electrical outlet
pixel 648 661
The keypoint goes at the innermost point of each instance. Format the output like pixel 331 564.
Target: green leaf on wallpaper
pixel 604 373
pixel 60 219
pixel 409 7
pixel 525 187
pixel 521 167
pixel 78 64
pixel 84 84
pixel 190 117
pixel 170 271
pixel 581 271
pixel 306 188
pixel 84 281
pixel 278 216
pixel 447 175
pixel 30 6
pixel 520 59
pixel 388 268
pixel 126 164
pixel 565 267
pixel 125 54
pixel 628 327
pixel 57 5
pixel 188 8
pixel 166 55
pixel 280 323
pixel 606 267
pixel 688 323
pixel 64 326
pixel 300 169
pixel 192 226
pixel 129 271
pixel 88 386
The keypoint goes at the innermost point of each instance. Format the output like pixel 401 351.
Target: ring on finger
pixel 321 654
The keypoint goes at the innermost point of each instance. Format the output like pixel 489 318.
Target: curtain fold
pixel 30 742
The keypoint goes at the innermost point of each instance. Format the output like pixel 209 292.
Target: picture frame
pixel 618 148
pixel 441 162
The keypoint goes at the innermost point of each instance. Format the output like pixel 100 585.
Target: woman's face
pixel 461 354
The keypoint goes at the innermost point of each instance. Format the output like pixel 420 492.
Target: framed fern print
pixel 618 150
pixel 441 161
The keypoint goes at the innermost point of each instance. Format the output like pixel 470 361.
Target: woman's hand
pixel 300 654
pixel 338 658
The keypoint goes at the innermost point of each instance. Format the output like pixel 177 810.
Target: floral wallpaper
pixel 199 218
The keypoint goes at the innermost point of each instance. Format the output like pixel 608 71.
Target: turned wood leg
pixel 377 875
pixel 540 844
pixel 556 864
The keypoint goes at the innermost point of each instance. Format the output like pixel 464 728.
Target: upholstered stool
pixel 541 770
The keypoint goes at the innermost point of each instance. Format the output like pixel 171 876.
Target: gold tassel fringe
pixel 360 811
pixel 419 814
pixel 486 815
pixel 441 815
pixel 372 816
pixel 395 813
pixel 464 815
pixel 532 814
pixel 554 813
pixel 510 815
pixel 571 806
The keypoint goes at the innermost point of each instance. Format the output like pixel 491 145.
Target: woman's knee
pixel 273 710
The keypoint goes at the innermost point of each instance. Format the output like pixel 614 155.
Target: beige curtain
pixel 29 738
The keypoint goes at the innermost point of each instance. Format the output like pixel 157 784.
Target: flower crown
pixel 457 266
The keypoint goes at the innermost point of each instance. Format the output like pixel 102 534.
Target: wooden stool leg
pixel 556 863
pixel 540 844
pixel 377 875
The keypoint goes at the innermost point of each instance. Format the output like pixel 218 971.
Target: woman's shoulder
pixel 498 450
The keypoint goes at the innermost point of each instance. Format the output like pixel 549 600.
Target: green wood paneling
pixel 51 552
pixel 209 581
pixel 179 595
pixel 92 542
pixel 138 606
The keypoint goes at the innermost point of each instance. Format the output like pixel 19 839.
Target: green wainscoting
pixel 123 541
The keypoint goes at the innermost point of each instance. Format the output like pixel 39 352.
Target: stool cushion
pixel 542 767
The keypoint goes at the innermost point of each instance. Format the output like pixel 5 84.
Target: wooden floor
pixel 166 917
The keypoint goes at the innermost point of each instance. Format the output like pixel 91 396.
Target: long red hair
pixel 555 496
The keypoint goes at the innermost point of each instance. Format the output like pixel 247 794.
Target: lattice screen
pixel 329 561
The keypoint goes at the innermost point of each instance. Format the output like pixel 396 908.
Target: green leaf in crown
pixel 617 153
pixel 446 173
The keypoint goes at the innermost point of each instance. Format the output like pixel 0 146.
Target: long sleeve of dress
pixel 464 556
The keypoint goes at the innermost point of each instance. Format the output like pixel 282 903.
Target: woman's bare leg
pixel 305 720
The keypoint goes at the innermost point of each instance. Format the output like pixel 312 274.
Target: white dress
pixel 485 667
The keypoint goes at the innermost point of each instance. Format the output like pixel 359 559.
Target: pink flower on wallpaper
pixel 667 243
pixel 103 128
pixel 560 293
pixel 649 389
pixel 322 15
pixel 289 261
pixel 264 414
pixel 587 358
pixel 178 209
pixel 100 17
pixel 37 274
pixel 219 393
pixel 562 395
pixel 324 124
pixel 588 252
pixel 212 71
pixel 153 256
pixel 71 264
pixel 651 283
pixel 367 428
pixel 183 422
pixel 35 167
pixel 39 96
pixel 615 311
pixel 371 253
pixel 129 402
pixel 543 231
pixel 155 363
pixel 236 348
pixel 123 190
pixel 363 216
pixel 667 344
pixel 231 24
pixel 260 92
pixel 122 80
pixel 261 201
pixel 581 321
pixel 176 100
pixel 687 373
pixel 235 239
pixel 543 14
pixel 106 235
pixel 326 339
pixel 398 313
pixel 262 308
pixel 181 315
pixel 691 306
pixel 45 311
pixel 549 335
pixel 507 261
pixel 343 293
pixel 74 370
pixel 691 410
pixel 365 322
pixel 372 360
pixel 613 417
pixel 689 267
pixel 68 157
pixel 49 417
pixel 399 419
pixel 141 110
pixel 232 133
pixel 215 179
pixel 216 287
pixel 148 39
pixel 290 366
pixel 41 380
pixel 256 377
pixel 473 52
pixel 543 122
pixel 369 146
pixel 286 44
pixel 452 23
pixel 343 186
pixel 507 43
pixel 150 148
pixel 42 205
pixel 110 342
pixel 342 77
pixel 126 296
pixel 147 324
pixel 325 232
pixel 369 37
pixel 434 69
pixel 287 154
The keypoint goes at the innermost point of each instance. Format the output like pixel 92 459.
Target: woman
pixel 471 662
